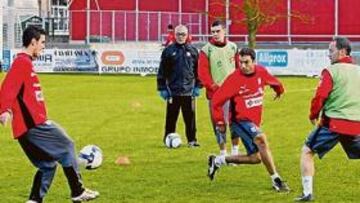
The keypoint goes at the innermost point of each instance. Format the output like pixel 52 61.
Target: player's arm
pixel 204 72
pixel 227 90
pixel 274 83
pixel 167 41
pixel 10 88
pixel 322 92
pixel 196 65
pixel 161 76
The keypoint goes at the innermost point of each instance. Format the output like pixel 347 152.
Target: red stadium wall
pixel 348 20
pixel 104 4
pixel 321 13
pixel 322 22
pixel 146 30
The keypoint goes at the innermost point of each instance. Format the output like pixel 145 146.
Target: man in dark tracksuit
pixel 178 84
pixel 44 142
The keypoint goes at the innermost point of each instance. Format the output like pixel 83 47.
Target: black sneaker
pixel 193 144
pixel 212 167
pixel 280 186
pixel 304 198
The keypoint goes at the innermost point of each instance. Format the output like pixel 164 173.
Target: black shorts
pixel 322 140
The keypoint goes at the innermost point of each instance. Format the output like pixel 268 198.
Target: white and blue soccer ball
pixel 90 157
pixel 173 140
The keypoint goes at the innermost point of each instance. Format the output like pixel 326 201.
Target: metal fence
pixel 116 26
pixel 112 26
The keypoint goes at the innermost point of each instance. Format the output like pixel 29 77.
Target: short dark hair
pixel 217 23
pixel 248 52
pixel 32 32
pixel 170 27
pixel 343 43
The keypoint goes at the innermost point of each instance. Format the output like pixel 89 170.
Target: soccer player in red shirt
pixel 170 38
pixel 337 105
pixel 44 142
pixel 245 90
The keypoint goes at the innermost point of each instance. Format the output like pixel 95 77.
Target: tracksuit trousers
pixel 45 145
pixel 187 106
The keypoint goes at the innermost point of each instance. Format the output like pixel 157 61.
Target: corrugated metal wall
pixel 151 22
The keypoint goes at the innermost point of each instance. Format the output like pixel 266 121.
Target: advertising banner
pixel 59 60
pixel 275 58
pixel 44 63
pixel 144 60
pixel 293 61
pixel 129 61
pixel 75 60
pixel 6 59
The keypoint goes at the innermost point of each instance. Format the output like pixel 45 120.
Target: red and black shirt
pixel 21 94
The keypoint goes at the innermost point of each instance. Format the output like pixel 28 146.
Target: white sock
pixel 235 150
pixel 223 152
pixel 220 160
pixel 307 183
pixel 275 175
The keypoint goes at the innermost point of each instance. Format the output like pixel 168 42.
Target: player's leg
pixel 54 141
pixel 65 150
pixel 268 161
pixel 45 164
pixel 242 130
pixel 241 159
pixel 320 141
pixel 351 145
pixel 172 113
pixel 188 112
pixel 220 136
pixel 265 153
pixel 307 173
pixel 252 157
pixel 235 142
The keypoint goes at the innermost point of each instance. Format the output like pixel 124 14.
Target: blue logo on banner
pixel 6 59
pixel 355 53
pixel 272 58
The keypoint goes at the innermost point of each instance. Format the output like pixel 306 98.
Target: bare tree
pixel 259 13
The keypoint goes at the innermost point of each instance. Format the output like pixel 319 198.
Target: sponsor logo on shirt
pixel 243 90
pixel 253 102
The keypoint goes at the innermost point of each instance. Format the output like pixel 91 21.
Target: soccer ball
pixel 90 157
pixel 173 140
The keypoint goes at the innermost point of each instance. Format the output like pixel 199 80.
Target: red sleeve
pixel 273 82
pixel 323 90
pixel 227 90
pixel 169 39
pixel 189 39
pixel 12 83
pixel 204 71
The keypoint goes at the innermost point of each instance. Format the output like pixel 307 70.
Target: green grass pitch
pixel 124 115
